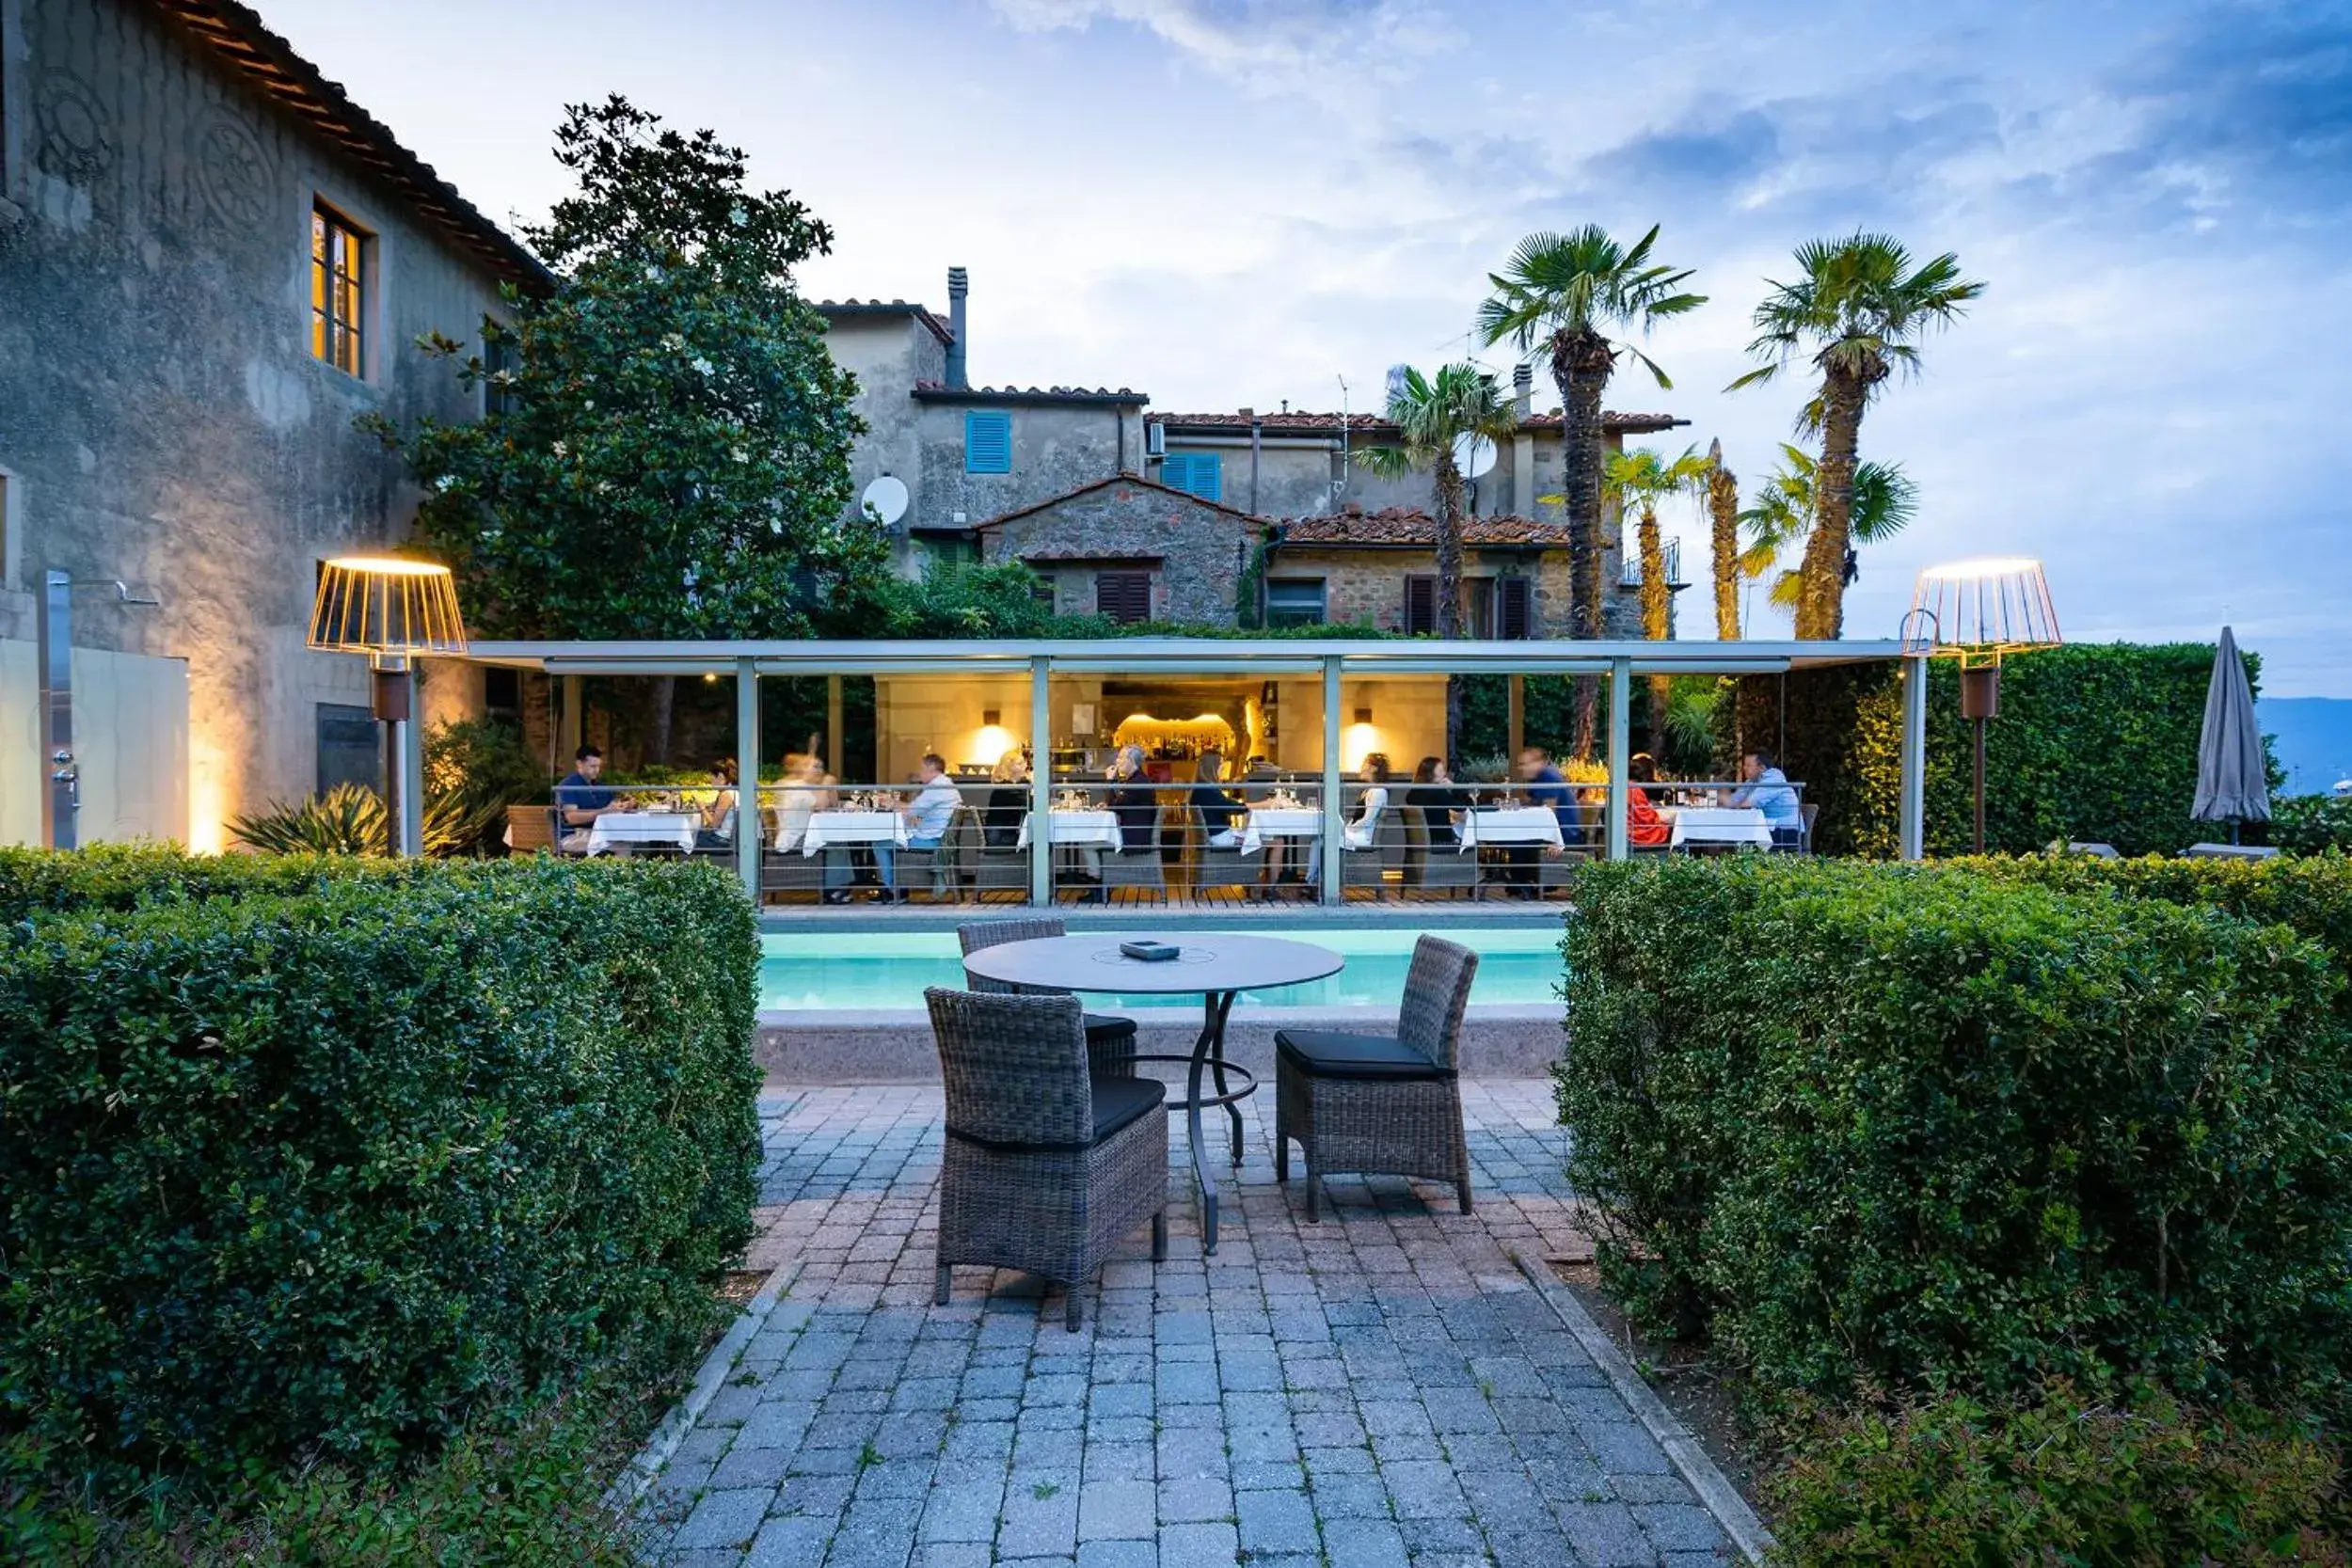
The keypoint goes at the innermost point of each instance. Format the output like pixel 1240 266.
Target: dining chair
pixel 1212 867
pixel 1046 1166
pixel 1110 1040
pixel 1388 1103
pixel 1429 867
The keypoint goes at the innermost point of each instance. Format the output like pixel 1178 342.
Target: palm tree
pixel 1723 510
pixel 1787 516
pixel 1568 293
pixel 1641 478
pixel 1859 306
pixel 1434 414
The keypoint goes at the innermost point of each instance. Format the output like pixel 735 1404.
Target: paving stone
pixel 1276 1522
pixel 1380 1390
pixel 1364 1543
pixel 723 1518
pixel 1199 1545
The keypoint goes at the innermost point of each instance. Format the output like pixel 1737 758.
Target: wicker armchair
pixel 1111 1040
pixel 1371 1102
pixel 1211 866
pixel 1370 867
pixel 1046 1165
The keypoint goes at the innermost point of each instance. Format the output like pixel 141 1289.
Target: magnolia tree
pixel 665 446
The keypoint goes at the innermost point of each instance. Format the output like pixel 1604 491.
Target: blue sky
pixel 1229 202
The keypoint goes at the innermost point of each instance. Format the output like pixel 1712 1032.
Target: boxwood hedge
pixel 315 1160
pixel 1937 1126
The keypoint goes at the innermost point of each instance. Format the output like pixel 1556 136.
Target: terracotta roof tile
pixel 1372 425
pixel 239 40
pixel 940 389
pixel 889 307
pixel 1405 526
pixel 1133 479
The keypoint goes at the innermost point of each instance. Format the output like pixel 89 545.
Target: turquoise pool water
pixel 1517 964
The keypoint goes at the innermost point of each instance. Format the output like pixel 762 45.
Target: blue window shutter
pixel 1196 473
pixel 986 443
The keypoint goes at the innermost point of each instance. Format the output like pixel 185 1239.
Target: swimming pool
pixel 1517 964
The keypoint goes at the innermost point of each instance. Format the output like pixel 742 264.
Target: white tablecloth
pixel 1089 830
pixel 616 829
pixel 853 827
pixel 1511 825
pixel 1718 825
pixel 1279 822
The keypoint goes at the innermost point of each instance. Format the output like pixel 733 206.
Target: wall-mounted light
pixel 710 678
pixel 992 717
pixel 1363 716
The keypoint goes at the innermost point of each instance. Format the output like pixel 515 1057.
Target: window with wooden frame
pixel 1294 602
pixel 1515 608
pixel 1420 605
pixel 339 291
pixel 1123 596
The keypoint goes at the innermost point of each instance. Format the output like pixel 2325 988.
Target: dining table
pixel 1484 826
pixel 1738 826
pixel 1279 822
pixel 1083 830
pixel 827 829
pixel 1219 968
pixel 618 831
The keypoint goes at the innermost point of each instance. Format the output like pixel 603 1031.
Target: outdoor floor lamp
pixel 393 611
pixel 1976 611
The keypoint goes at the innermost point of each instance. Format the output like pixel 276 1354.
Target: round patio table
pixel 1220 968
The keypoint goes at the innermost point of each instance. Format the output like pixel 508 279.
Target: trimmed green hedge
pixel 317 1159
pixel 2095 740
pixel 1932 1127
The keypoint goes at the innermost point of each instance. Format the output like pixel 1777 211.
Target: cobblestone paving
pixel 1379 1390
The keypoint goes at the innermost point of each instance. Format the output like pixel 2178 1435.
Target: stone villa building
pixel 1155 516
pixel 211 260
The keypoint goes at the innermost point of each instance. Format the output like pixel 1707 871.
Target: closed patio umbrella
pixel 2233 782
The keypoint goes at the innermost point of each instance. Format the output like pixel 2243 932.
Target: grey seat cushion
pixel 1329 1054
pixel 1101 1028
pixel 1118 1102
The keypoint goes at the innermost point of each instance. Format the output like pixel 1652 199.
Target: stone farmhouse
pixel 210 261
pixel 1139 515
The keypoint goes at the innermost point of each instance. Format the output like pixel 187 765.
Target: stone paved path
pixel 1379 1390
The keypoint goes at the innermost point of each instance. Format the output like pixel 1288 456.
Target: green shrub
pixel 2311 824
pixel 1931 1127
pixel 306 1160
pixel 2060 1480
pixel 2096 740
pixel 484 766
pixel 350 819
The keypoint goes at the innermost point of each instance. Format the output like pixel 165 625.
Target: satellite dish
pixel 1475 455
pixel 886 501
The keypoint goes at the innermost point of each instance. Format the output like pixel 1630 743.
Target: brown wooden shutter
pixel 1123 596
pixel 1420 605
pixel 1513 619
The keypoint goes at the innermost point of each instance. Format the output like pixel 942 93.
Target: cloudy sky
pixel 1229 202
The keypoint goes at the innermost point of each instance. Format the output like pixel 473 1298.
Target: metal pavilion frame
pixel 1332 659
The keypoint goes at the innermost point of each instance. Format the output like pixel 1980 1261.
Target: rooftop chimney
pixel 1523 390
pixel 958 285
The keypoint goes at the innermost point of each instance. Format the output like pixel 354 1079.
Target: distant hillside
pixel 2312 739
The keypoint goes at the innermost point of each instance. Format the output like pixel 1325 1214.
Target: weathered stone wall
pixel 1197 549
pixel 160 416
pixel 888 355
pixel 1055 450
pixel 1367 587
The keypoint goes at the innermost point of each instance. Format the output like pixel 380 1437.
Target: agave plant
pixel 349 819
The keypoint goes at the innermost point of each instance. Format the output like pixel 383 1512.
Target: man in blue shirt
pixel 580 799
pixel 1768 790
pixel 927 817
pixel 1545 787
